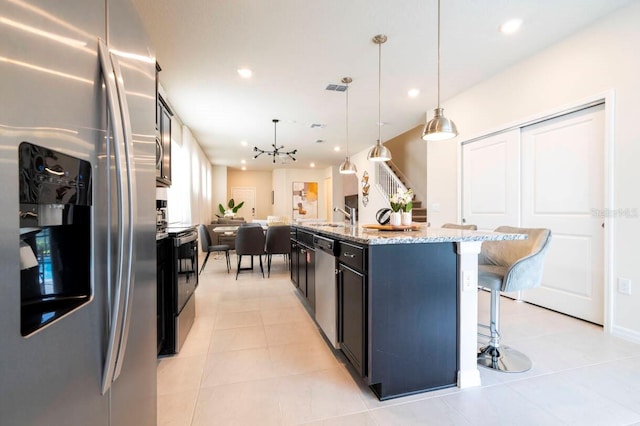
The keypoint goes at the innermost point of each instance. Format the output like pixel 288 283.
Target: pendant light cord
pixel 380 88
pixel 347 121
pixel 438 53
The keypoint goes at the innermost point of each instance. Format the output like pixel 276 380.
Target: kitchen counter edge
pixel 425 234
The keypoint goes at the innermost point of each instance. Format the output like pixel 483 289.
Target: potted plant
pixel 231 209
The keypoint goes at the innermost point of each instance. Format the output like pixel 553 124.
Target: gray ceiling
pixel 296 47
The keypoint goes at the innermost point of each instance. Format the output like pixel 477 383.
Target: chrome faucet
pixel 351 215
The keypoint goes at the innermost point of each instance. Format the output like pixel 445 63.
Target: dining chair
pixel 205 244
pixel 249 241
pixel 278 241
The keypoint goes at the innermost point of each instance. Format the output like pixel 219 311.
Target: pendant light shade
pixel 347 167
pixel 379 152
pixel 439 127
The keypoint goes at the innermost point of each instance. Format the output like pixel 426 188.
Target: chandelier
pixel 276 149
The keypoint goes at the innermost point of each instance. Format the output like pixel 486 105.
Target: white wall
pixel 219 188
pixel 261 181
pixel 190 195
pixel 282 180
pixel 200 179
pixel 599 58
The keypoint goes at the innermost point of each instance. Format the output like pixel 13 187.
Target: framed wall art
pixel 305 200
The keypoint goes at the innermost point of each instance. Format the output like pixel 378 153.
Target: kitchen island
pixel 406 304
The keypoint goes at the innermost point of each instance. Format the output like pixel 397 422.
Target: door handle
pixel 130 209
pixel 159 153
pixel 117 301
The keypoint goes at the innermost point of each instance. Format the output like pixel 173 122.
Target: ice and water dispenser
pixel 55 235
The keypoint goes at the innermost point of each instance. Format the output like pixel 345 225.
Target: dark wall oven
pixel 181 303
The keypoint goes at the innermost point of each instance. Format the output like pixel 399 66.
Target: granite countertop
pixel 425 234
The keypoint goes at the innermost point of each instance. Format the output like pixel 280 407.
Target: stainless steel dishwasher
pixel 326 294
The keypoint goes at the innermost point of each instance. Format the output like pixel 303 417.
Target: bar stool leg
pixel 501 358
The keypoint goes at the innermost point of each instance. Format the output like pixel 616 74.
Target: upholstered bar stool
pixel 509 266
pixel 456 226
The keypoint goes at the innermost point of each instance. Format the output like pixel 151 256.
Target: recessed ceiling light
pixel 511 26
pixel 244 143
pixel 413 93
pixel 243 161
pixel 336 149
pixel 244 168
pixel 245 72
pixel 312 164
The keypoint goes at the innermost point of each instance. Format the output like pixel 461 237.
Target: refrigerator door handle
pixel 130 210
pixel 117 301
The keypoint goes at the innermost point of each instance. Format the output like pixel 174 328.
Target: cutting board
pixel 392 227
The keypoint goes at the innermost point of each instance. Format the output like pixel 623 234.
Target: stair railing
pixel 387 181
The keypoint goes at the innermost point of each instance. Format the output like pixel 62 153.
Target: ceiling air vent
pixel 336 87
pixel 317 126
pixel 319 140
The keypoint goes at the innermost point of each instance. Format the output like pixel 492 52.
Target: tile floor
pixel 255 357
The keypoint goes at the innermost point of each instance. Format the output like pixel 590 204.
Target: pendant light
pixel 379 152
pixel 347 167
pixel 439 127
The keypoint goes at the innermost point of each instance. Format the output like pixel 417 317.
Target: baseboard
pixel 626 334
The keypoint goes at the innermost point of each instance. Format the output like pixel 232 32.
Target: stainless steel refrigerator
pixel 77 207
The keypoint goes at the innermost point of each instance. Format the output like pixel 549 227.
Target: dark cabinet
pixel 310 274
pixel 306 258
pixel 295 266
pixel 352 309
pixel 352 304
pixel 413 298
pixel 303 260
pixel 163 143
pixel 397 309
pixel 163 275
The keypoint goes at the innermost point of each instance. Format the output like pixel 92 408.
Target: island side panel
pixel 413 314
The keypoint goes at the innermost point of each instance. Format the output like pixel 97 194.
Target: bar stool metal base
pixel 503 358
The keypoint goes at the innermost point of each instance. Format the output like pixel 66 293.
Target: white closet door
pixel 491 181
pixel 562 185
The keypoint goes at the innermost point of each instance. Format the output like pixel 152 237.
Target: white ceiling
pixel 296 47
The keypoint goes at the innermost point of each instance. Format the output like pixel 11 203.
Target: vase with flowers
pixel 401 204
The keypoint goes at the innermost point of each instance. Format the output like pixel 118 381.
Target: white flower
pixel 402 200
